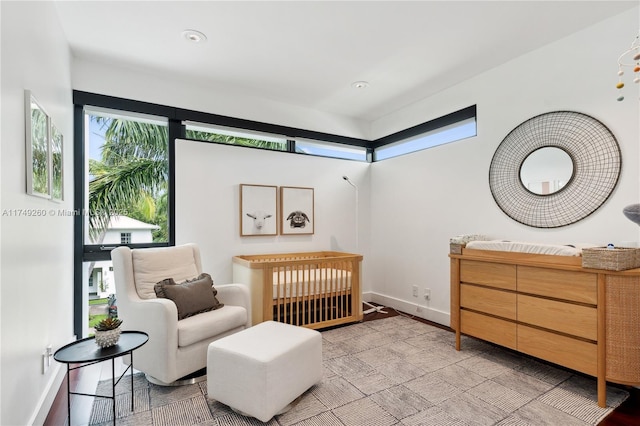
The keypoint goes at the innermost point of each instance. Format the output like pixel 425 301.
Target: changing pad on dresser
pixel 524 247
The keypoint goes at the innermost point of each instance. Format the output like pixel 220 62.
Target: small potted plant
pixel 108 332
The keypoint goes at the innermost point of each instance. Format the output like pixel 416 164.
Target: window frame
pixel 99 252
pixel 236 132
pixel 125 238
pixel 424 129
pixel 99 111
pixel 332 150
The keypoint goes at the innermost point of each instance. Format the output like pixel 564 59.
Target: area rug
pixel 392 371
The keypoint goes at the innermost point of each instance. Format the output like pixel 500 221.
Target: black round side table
pixel 87 352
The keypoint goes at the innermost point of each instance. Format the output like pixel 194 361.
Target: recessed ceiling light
pixel 194 36
pixel 360 84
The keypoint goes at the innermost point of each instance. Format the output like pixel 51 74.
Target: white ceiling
pixel 308 53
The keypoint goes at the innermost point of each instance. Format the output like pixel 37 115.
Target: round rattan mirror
pixel 596 159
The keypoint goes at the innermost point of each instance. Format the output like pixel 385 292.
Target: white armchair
pixel 176 348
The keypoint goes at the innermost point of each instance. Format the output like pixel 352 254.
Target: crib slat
pixel 332 293
pixel 274 308
pixel 321 297
pixel 341 284
pixel 287 294
pixel 299 285
pixel 346 286
pixel 333 298
pixel 267 293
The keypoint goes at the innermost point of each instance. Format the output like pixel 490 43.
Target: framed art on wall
pixel 43 147
pixel 258 210
pixel 296 207
pixel 37 132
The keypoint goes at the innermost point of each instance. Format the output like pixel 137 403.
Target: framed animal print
pixel 296 210
pixel 258 210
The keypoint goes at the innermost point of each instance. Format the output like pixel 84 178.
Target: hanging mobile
pixel 635 50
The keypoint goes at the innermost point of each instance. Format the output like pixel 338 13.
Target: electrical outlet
pixel 415 291
pixel 47 356
pixel 427 294
pixel 45 365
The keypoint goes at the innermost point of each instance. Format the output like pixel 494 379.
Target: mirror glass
pixel 546 170
pixel 37 148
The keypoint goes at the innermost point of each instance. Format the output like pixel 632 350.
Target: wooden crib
pixel 313 289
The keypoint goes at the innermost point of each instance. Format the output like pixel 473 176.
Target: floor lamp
pixel 373 307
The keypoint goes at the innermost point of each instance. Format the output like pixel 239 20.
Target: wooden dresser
pixel 551 308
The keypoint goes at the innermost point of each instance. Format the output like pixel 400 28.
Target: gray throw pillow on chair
pixel 192 296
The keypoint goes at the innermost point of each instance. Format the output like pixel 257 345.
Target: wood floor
pixel 85 380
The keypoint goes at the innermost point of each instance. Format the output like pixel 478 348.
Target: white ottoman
pixel 261 370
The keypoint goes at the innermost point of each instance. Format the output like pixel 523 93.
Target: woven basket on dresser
pixel 611 259
pixel 456 248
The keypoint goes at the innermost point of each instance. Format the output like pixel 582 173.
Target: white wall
pixel 208 202
pixel 36 260
pixel 113 236
pixel 107 280
pixel 421 200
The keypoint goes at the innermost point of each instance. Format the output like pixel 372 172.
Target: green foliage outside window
pixel 234 140
pixel 131 177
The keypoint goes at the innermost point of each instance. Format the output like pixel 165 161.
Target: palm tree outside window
pixel 127 173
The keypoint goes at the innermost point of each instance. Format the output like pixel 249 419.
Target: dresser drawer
pixel 487 273
pixel 572 353
pixel 491 301
pixel 577 320
pixel 567 285
pixel 488 328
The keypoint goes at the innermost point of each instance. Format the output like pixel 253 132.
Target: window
pixel 122 155
pixel 232 136
pixel 328 149
pixel 450 128
pixel 126 175
pixel 265 140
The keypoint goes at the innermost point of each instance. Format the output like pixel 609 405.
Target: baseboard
pixel 48 396
pixel 424 312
